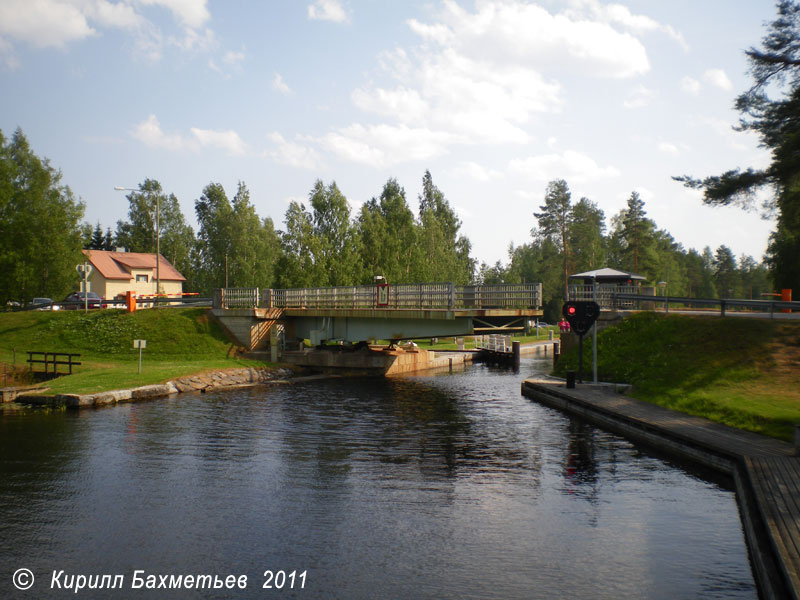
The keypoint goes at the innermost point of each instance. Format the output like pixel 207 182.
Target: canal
pixel 432 486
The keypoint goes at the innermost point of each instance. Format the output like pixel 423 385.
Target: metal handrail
pixel 424 296
pixel 769 306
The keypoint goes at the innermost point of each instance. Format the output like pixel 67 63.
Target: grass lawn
pixel 180 341
pixel 738 371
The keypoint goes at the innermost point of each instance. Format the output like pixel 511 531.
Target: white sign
pixel 140 343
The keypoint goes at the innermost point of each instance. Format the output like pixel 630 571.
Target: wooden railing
pixel 424 296
pixel 51 361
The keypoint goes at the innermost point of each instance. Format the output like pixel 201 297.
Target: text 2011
pixel 278 580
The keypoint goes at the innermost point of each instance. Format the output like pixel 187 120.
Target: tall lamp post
pixel 158 235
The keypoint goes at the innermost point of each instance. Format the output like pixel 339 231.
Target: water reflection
pixel 445 486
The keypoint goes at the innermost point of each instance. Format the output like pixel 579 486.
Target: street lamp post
pixel 158 235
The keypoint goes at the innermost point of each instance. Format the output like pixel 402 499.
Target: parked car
pixel 78 300
pixel 43 304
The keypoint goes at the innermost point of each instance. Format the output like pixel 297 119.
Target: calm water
pixel 441 486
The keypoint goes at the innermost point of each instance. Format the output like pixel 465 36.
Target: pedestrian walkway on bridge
pixel 382 311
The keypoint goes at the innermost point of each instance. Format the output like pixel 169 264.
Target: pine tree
pixel 97 238
pixel 555 221
pixel 771 108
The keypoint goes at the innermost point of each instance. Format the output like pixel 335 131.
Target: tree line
pixel 571 237
pixel 323 243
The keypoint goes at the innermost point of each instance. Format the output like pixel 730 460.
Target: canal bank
pixel 765 471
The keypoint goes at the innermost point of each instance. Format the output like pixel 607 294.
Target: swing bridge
pixel 259 317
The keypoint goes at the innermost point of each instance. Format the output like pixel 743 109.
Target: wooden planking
pixel 775 483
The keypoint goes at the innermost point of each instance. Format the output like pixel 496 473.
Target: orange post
pixel 786 296
pixel 130 301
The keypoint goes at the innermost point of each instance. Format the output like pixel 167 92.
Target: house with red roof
pixel 116 273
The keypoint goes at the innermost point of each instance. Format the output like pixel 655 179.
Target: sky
pixel 495 98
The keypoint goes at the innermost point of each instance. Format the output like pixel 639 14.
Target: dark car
pixel 43 304
pixel 78 300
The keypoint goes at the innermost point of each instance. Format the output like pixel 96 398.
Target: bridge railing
pixel 605 294
pixel 235 298
pixel 522 295
pixel 423 296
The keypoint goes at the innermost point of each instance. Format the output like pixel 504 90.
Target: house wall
pixel 110 288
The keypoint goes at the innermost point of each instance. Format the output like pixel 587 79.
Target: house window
pixel 141 279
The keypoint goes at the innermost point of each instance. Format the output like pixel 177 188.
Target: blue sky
pixel 495 98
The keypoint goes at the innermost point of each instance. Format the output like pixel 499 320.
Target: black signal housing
pixel 581 315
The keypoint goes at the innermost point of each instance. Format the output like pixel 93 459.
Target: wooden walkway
pixel 766 471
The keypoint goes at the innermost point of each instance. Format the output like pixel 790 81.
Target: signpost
pixel 140 344
pixel 84 270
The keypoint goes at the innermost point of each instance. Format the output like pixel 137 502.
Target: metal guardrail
pixel 770 306
pixel 495 343
pixel 425 296
pixel 114 303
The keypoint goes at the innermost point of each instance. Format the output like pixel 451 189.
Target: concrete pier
pixel 765 471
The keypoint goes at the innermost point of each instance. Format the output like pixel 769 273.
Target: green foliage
pixel 445 253
pixel 150 212
pixel 40 225
pixel 708 366
pixel 335 238
pixel 555 222
pixel 388 237
pixel 771 108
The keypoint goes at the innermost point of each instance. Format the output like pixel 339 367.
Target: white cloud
pixel 690 85
pixel 231 61
pixel 233 58
pixel 385 145
pixel 57 23
pixel 279 85
pixel 293 154
pixel 327 10
pixel 718 78
pixel 149 132
pixel 569 165
pixel 668 148
pixel 191 13
pixel 617 14
pixel 480 77
pixel 513 32
pixel 478 172
pixel 225 140
pixel 43 23
pixel 641 96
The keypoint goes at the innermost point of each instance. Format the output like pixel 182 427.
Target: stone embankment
pixel 202 382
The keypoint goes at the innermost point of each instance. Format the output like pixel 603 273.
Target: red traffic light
pixel 581 315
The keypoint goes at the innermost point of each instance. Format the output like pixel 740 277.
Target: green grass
pixel 179 342
pixel 738 371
